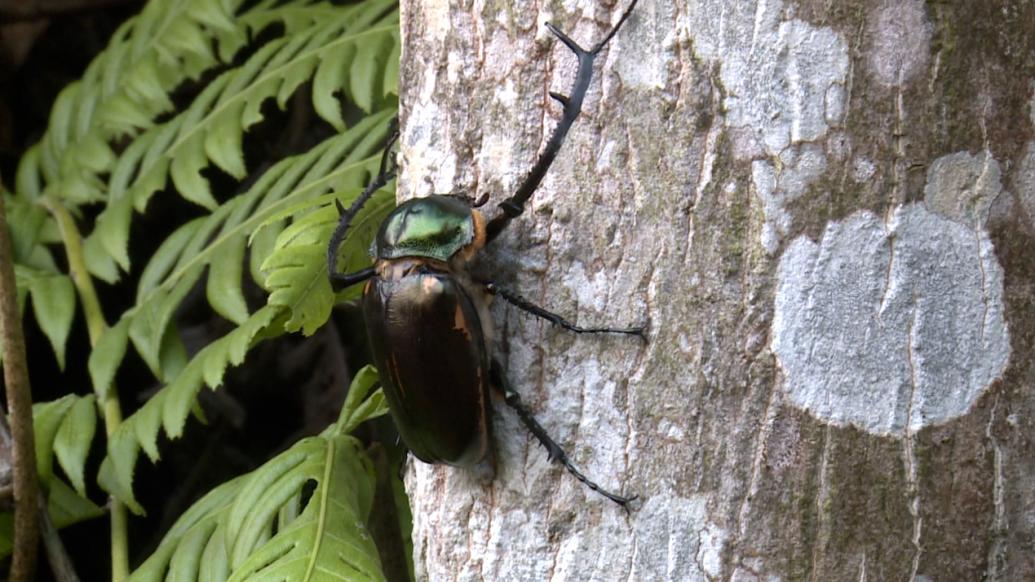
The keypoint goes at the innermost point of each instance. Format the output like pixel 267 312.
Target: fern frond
pixel 217 241
pixel 297 268
pixel 227 534
pixel 169 407
pixel 114 141
pixel 53 304
pixel 64 430
pixel 126 87
pixel 301 298
pixel 212 127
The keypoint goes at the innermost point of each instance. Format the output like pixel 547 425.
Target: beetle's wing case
pixel 428 343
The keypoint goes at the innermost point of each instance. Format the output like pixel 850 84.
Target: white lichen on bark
pixel 890 326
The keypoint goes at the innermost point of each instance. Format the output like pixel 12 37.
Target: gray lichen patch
pixel 676 540
pixel 799 167
pixel 890 326
pixel 963 186
pixel 778 110
pixel 1024 180
pixel 901 42
pixel 771 102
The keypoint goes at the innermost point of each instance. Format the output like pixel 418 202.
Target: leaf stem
pixel 96 325
pixel 19 404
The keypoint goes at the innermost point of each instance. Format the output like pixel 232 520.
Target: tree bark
pixel 824 209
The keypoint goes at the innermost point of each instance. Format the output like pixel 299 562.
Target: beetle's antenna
pixel 341 280
pixel 515 205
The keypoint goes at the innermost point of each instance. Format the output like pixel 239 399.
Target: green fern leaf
pixel 53 304
pixel 66 507
pixel 223 289
pixel 107 144
pixel 106 357
pixel 211 128
pixel 25 221
pixel 128 85
pixel 391 80
pixel 357 407
pixel 150 324
pixel 327 541
pixel 341 161
pixel 65 427
pixel 46 420
pixel 73 440
pixel 229 533
pixel 297 268
pixel 169 408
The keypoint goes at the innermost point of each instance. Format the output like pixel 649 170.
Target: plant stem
pixel 110 408
pixel 19 404
pixel 60 562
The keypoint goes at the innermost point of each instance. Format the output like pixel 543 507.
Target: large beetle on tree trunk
pixel 427 316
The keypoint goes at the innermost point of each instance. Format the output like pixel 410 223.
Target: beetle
pixel 428 317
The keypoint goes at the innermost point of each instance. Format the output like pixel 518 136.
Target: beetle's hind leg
pixel 554 450
pixel 554 318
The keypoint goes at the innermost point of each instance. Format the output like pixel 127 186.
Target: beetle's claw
pixel 574 46
pixel 554 453
pixel 628 504
pixel 562 99
pixel 641 330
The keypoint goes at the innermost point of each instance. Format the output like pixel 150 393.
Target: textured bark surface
pixel 826 211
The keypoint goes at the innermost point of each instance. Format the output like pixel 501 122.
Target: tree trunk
pixel 824 209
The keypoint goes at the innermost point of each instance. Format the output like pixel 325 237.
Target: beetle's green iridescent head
pixel 435 227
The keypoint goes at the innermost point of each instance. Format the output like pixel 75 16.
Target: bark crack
pixel 898 147
pixel 887 275
pixel 996 554
pixel 765 430
pixel 909 454
pixel 984 285
pixel 822 496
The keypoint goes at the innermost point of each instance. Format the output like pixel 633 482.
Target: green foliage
pixel 53 304
pixel 171 100
pixel 64 429
pixel 266 526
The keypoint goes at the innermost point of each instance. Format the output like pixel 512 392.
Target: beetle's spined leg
pixel 554 450
pixel 515 205
pixel 526 305
pixel 341 281
pixel 386 172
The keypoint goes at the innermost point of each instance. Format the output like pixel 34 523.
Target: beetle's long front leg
pixel 515 205
pixel 526 305
pixel 554 450
pixel 386 172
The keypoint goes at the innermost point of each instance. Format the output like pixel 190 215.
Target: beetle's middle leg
pixel 526 305
pixel 554 450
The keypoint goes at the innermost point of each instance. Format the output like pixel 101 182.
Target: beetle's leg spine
pixel 556 319
pixel 341 280
pixel 515 205
pixel 554 450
